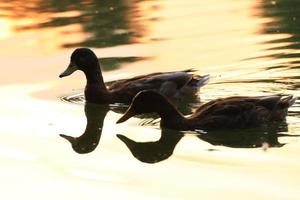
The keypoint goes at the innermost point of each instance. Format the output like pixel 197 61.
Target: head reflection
pixel 89 140
pixel 155 151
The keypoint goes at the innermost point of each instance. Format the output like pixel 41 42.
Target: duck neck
pixel 171 118
pixel 94 77
pixel 95 89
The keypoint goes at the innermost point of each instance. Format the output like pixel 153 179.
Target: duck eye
pixel 82 59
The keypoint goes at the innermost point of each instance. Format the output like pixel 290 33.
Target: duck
pixel 172 84
pixel 222 113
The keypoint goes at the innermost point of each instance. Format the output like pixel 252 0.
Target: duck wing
pixel 113 85
pixel 243 111
pixel 153 80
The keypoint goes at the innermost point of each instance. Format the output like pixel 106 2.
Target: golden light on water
pixel 202 40
pixel 6 29
pixel 220 37
pixel 24 37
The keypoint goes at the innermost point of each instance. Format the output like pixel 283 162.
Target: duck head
pixel 83 59
pixel 81 145
pixel 147 101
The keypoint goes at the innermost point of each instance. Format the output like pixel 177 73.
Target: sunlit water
pixel 248 47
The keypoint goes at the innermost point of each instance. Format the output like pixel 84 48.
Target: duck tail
pixel 199 81
pixel 292 101
pixel 287 101
pixel 190 70
pixel 279 101
pixel 283 101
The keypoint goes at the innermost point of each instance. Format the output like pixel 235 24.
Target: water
pixel 248 47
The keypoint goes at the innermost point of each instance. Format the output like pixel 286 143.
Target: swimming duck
pixel 231 112
pixel 122 91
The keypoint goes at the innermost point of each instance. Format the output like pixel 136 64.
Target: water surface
pixel 248 47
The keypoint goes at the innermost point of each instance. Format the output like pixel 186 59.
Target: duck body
pixel 222 113
pixel 241 112
pixel 171 84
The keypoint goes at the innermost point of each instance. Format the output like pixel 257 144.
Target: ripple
pixel 77 98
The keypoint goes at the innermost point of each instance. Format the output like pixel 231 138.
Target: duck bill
pixel 69 138
pixel 128 114
pixel 70 69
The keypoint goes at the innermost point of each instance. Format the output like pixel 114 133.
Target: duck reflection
pixel 89 140
pixel 248 138
pixel 157 151
pixel 153 152
pixel 95 114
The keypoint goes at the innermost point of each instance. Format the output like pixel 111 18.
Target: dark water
pixel 53 145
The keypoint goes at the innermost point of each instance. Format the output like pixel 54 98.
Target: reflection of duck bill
pixel 67 137
pixel 128 114
pixel 70 69
pixel 126 140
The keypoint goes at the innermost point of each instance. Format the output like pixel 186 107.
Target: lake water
pixel 249 47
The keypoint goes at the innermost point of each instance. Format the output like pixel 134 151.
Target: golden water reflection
pixel 228 39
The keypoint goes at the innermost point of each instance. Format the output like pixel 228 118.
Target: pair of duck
pixel 154 93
